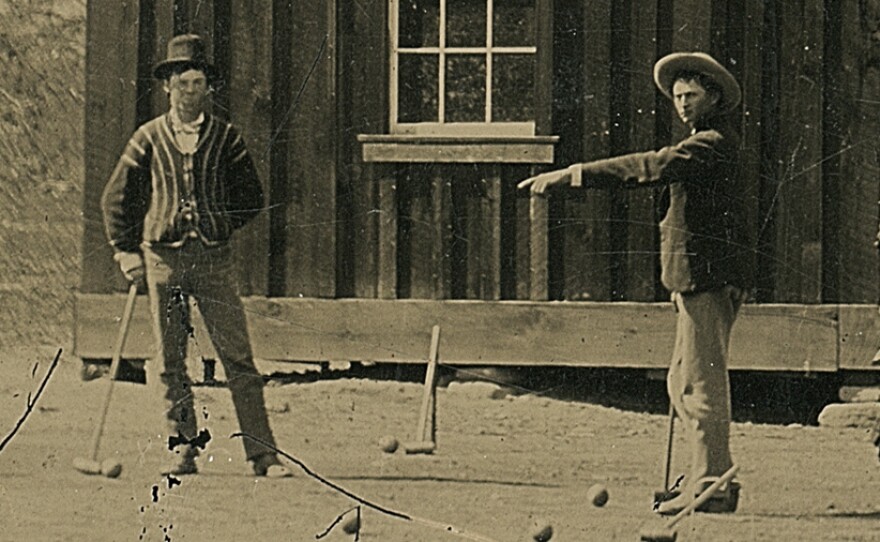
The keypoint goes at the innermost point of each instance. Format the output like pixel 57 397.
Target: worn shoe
pixel 93 370
pixel 724 501
pixel 183 463
pixel 268 465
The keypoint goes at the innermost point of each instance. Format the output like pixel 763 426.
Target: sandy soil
pixel 502 461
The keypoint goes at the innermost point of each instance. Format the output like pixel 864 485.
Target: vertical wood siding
pixel 305 78
pixel 111 96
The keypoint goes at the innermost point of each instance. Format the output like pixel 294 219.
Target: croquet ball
pixel 111 468
pixel 351 525
pixel 542 531
pixel 598 495
pixel 388 444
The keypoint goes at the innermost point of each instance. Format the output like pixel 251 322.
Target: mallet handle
pixel 669 441
pixel 430 383
pixel 114 367
pixel 704 496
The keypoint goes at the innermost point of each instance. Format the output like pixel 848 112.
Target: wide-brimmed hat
pixel 667 67
pixel 187 51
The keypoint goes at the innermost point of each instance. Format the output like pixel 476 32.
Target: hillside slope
pixel 42 62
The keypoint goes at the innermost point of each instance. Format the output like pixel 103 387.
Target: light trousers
pixel 698 382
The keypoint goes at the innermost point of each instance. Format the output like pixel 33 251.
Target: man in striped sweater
pixel 184 183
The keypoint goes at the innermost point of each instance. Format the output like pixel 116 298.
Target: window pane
pixel 465 88
pixel 465 23
pixel 417 88
pixel 419 23
pixel 513 23
pixel 513 88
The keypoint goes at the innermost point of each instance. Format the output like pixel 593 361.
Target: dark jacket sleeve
pixel 689 160
pixel 127 195
pixel 245 193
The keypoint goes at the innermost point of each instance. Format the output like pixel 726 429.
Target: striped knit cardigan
pixel 159 195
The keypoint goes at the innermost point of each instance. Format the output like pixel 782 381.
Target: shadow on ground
pixel 757 397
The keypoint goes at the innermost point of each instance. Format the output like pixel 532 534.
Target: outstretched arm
pixel 689 160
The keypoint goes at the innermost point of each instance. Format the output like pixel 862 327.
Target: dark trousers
pixel 174 275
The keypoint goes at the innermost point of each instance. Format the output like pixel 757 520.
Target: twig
pixel 445 527
pixel 31 402
pixel 338 519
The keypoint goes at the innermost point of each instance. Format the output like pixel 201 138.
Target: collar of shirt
pixel 181 127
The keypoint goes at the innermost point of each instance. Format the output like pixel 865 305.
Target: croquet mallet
pixel 426 433
pixel 667 493
pixel 109 468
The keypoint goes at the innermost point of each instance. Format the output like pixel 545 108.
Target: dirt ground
pixel 503 460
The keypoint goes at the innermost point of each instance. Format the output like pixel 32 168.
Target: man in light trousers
pixel 705 252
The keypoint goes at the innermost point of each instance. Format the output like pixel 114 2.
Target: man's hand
pixel 541 182
pixel 131 264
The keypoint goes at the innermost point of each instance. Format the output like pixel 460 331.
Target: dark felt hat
pixel 186 51
pixel 667 67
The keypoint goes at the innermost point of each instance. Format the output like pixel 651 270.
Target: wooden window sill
pixel 503 149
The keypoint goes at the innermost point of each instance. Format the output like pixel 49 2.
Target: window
pixel 463 67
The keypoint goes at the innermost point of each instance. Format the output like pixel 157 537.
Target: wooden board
pixel 372 232
pixel 859 337
pixel 746 45
pixel 642 242
pixel 523 153
pixel 428 215
pixel 483 236
pixel 799 208
pixel 310 254
pixel 797 338
pixel 165 25
pixel 539 216
pixel 197 16
pixel 522 248
pixel 852 153
pixel 387 218
pixel 587 257
pixel 363 37
pixel 692 25
pixel 544 69
pixel 111 95
pixel 250 108
pixel 441 233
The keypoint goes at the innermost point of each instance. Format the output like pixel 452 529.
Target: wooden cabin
pixel 390 135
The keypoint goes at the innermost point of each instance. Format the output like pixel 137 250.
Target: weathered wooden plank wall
pixel 799 154
pixel 249 95
pixel 310 263
pixel 112 77
pixel 304 78
pixel 852 154
pixel 642 242
pixel 372 220
pixel 587 236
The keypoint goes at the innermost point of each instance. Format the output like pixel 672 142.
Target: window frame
pixel 487 128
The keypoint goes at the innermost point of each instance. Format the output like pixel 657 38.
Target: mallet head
pixel 86 466
pixel 658 533
pixel 109 467
pixel 419 447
